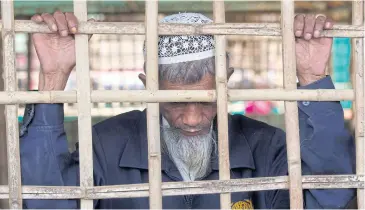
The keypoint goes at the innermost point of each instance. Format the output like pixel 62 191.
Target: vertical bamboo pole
pixel 291 108
pixel 358 65
pixel 153 114
pixel 84 104
pixel 361 201
pixel 4 204
pixel 11 111
pixel 221 85
pixel 3 153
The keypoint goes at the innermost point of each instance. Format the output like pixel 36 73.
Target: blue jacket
pixel 256 150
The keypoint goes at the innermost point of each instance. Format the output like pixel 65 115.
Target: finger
pixel 61 23
pixel 72 22
pixel 328 24
pixel 299 25
pixel 318 28
pixel 309 23
pixel 51 22
pixel 37 18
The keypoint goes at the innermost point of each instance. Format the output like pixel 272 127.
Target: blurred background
pixel 116 60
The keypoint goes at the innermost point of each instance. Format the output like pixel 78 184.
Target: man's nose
pixel 192 115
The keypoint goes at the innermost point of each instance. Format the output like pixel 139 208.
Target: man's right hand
pixel 56 51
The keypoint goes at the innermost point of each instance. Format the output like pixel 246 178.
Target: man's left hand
pixel 312 51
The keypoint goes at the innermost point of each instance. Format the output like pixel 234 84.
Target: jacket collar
pixel 135 154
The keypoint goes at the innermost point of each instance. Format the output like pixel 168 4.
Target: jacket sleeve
pixel 326 147
pixel 45 158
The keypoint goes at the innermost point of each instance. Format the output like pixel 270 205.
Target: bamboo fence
pixel 155 189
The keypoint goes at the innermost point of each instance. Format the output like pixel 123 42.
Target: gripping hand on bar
pixel 56 51
pixel 312 51
pixel 188 132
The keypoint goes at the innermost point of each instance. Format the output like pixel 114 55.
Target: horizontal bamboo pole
pixel 290 95
pixel 185 188
pixel 138 28
pixel 23 97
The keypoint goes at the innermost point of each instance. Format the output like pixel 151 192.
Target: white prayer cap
pixel 182 48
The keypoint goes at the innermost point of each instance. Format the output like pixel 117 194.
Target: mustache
pixel 186 128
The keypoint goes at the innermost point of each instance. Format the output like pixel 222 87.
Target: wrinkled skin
pixel 312 51
pixel 56 51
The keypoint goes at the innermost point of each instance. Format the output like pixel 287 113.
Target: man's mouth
pixel 194 132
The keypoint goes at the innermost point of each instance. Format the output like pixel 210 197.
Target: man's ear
pixel 142 77
pixel 230 72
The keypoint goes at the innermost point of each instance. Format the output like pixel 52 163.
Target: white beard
pixel 191 154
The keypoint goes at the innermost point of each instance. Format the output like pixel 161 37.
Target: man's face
pixel 191 119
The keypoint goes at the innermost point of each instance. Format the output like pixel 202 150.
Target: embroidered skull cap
pixel 182 48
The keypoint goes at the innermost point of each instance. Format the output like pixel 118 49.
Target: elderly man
pixel 188 131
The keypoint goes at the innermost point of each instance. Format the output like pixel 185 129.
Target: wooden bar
pixel 138 28
pixel 358 69
pixel 290 95
pixel 361 201
pixel 184 188
pixel 11 111
pixel 153 112
pixel 291 108
pixel 22 97
pixel 84 104
pixel 222 95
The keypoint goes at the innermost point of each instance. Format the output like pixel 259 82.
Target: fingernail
pixel 317 33
pixel 298 33
pixel 39 18
pixel 328 25
pixel 308 36
pixel 54 27
pixel 64 33
pixel 73 30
